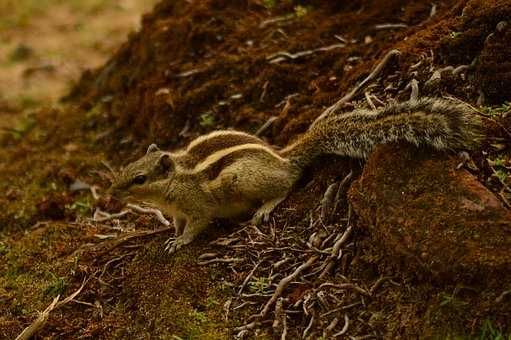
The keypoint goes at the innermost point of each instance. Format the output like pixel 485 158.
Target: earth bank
pixel 199 66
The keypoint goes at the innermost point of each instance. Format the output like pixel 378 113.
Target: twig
pixel 344 328
pixel 247 326
pixel 341 38
pixel 414 95
pixel 75 294
pixel 218 260
pixel 282 55
pixel 459 69
pixel 101 216
pixel 345 286
pixel 154 211
pixel 369 101
pixel 433 11
pixel 340 190
pixel 495 173
pixel 378 283
pixel 504 199
pixel 207 256
pixel 130 236
pixel 359 86
pixel 187 73
pixel 327 201
pixel 330 328
pixel 244 304
pixel 85 303
pixel 501 297
pixel 94 192
pixel 249 276
pixel 184 130
pixel 266 125
pixel 263 93
pixel 41 320
pixel 335 252
pixel 112 261
pixel 309 326
pixel 341 308
pixel 389 26
pixel 280 321
pixel 284 283
pixel 275 20
pixel 109 167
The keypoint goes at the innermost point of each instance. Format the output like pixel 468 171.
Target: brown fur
pixel 226 174
pixel 205 145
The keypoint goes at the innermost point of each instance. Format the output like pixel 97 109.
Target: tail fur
pixel 428 121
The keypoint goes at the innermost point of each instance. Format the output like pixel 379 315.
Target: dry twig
pixel 379 67
pixel 284 283
pixel 335 252
pixel 41 320
pixel 344 328
pixel 154 211
pixel 283 55
pixel 266 125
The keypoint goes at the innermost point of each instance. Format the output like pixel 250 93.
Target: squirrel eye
pixel 140 179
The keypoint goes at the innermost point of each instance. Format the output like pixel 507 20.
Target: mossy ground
pixel 48 245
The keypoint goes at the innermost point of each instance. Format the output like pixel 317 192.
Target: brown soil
pixel 200 66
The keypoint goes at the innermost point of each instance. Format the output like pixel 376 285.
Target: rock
pixel 493 71
pixel 430 219
pixel 78 185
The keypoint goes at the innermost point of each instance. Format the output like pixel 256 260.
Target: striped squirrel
pixel 226 174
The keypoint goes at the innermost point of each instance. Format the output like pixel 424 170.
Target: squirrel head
pixel 143 179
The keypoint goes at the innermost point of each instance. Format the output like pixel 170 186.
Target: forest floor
pixel 196 66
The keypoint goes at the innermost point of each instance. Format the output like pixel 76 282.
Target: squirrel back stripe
pixel 203 146
pixel 215 163
pixel 434 122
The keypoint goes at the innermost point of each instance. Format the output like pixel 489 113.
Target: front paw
pixel 174 244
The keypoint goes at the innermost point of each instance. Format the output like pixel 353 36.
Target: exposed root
pixel 219 260
pixel 154 211
pixel 291 265
pixel 111 170
pixel 344 328
pixel 101 216
pixel 390 26
pixel 283 55
pixel 284 283
pixel 414 95
pixel 369 100
pixel 377 70
pixel 266 125
pixel 127 237
pixel 335 253
pixel 41 320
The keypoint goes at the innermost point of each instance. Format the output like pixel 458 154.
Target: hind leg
pixel 263 213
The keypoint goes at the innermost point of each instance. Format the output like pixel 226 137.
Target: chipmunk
pixel 226 174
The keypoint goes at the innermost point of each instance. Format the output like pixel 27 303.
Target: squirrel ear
pixel 166 163
pixel 152 148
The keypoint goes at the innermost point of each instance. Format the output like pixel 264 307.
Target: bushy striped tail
pixel 438 123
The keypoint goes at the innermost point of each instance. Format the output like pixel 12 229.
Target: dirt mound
pixel 199 66
pixel 454 229
pixel 225 62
